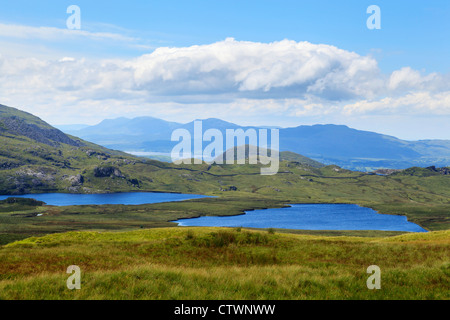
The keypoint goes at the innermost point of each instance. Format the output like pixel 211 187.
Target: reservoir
pixel 127 198
pixel 311 217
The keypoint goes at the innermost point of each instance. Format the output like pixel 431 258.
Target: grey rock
pixel 76 180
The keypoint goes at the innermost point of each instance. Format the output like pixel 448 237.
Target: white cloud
pixel 413 103
pixel 52 33
pixel 284 67
pixel 283 78
pixel 410 79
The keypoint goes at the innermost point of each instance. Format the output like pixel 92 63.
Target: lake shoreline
pixel 205 221
pixel 119 198
pixel 286 204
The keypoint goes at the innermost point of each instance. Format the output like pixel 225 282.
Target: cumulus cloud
pixel 409 79
pixel 283 77
pixel 242 67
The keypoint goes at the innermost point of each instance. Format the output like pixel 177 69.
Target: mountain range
pixel 329 144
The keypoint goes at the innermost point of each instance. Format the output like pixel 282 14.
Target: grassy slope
pixel 212 263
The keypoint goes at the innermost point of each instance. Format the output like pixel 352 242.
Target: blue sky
pixel 413 33
pixel 407 59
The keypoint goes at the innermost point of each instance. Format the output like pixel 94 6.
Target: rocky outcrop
pixel 27 179
pixel 43 174
pixel 135 182
pixel 7 165
pixel 109 171
pixel 443 171
pixel 231 188
pixel 76 180
pixel 98 155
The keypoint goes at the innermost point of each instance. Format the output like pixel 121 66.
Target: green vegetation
pixel 221 263
pixel 423 199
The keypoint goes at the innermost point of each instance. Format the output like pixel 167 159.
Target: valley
pixel 223 159
pixel 45 238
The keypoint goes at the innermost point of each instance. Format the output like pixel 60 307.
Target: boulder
pixel 102 172
pixel 76 180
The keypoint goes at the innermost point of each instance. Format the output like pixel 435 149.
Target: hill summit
pixel 15 123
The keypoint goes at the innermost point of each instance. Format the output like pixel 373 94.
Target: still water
pixel 311 217
pixel 128 198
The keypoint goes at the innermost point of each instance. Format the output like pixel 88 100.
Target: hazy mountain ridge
pixel 329 144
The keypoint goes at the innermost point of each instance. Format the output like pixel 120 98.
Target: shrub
pixel 223 238
pixel 190 235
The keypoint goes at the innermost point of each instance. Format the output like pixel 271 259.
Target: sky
pixel 277 63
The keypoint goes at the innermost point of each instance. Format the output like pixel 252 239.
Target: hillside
pixel 35 157
pixel 15 123
pixel 330 144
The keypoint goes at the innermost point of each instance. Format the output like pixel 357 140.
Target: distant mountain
pixel 127 134
pixel 329 144
pixel 71 127
pixel 362 150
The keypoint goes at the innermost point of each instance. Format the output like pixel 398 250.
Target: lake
pixel 128 198
pixel 311 217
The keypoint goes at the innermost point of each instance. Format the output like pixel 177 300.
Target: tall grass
pixel 222 263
